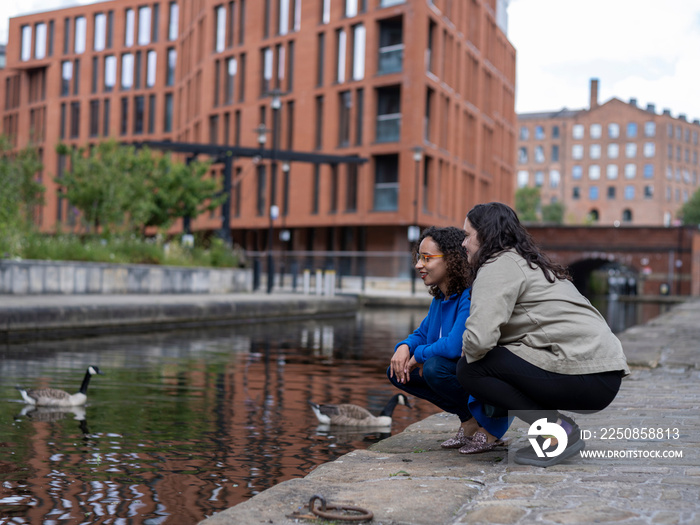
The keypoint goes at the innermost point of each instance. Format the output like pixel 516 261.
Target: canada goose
pixel 356 416
pixel 59 398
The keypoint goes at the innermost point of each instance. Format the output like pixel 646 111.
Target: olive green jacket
pixel 550 325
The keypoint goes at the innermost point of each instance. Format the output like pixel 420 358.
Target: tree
pixel 527 202
pixel 117 186
pixel 553 213
pixel 690 212
pixel 20 191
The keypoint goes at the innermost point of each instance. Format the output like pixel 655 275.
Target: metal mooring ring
pixel 362 516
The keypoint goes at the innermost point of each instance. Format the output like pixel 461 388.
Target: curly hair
pixel 449 241
pixel 498 229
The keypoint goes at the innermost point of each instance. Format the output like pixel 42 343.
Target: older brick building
pixel 371 78
pixel 613 163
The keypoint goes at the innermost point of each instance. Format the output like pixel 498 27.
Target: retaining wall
pixel 61 277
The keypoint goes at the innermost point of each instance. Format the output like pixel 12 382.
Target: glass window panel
pixel 144 26
pixel 80 34
pixel 127 70
pixel 110 72
pixel 174 21
pixel 40 43
pixel 100 32
pixel 358 59
pixel 151 69
pixel 26 52
pixel 129 28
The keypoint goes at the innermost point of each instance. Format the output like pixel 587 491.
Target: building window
pixel 613 151
pixel 231 70
pixel 129 28
pixel 555 153
pixel 386 182
pixel 539 154
pixel 387 3
pixel 66 77
pixel 283 27
pixel 391 47
pixel 265 80
pixel 522 155
pixel 555 132
pixel 105 117
pixel 155 23
pixel 631 130
pixel 648 171
pixel 261 190
pixel 350 8
pixel 577 131
pixel 593 193
pixel 344 104
pixel 630 171
pixel 100 40
pixel 596 131
pixel 577 151
pixel 649 149
pixel 576 172
pixel 110 72
pixel 627 215
pixel 613 130
pixel 220 37
pixel 170 70
pixel 320 56
pixel 318 142
pixel 80 34
pixel 151 58
pixel 139 110
pixel 144 26
pixel 388 114
pixel 26 51
pixel 151 113
pixel 594 151
pixel 539 133
pixel 539 179
pixel 648 191
pixel 351 188
pixel 575 193
pixel 611 193
pixel 127 71
pixel 523 178
pixel 74 120
pixel 341 41
pixel 168 113
pixel 649 129
pixel 630 150
pixel 325 11
pixel 173 22
pixel 94 130
pixel 124 121
pixel 40 41
pixel 554 179
pixel 629 193
pixel 611 171
pixel 358 52
pixel 524 133
pixel 594 172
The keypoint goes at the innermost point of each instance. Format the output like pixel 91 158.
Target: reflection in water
pixel 186 424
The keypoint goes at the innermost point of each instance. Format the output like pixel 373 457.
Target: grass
pixel 206 252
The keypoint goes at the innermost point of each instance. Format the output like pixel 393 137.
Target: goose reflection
pixel 349 434
pixel 51 414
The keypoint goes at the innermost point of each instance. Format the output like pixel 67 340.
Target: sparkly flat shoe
pixel 479 443
pixel 458 441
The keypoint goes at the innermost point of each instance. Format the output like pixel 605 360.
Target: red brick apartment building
pixel 613 163
pixel 369 78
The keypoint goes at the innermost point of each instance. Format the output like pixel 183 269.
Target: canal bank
pixel 643 465
pixel 25 317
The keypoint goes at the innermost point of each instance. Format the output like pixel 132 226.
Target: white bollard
pixel 319 282
pixel 330 283
pixel 306 281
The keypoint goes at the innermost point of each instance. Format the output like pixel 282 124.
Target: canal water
pixel 185 424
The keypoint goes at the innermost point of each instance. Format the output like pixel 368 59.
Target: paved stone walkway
pixel 408 479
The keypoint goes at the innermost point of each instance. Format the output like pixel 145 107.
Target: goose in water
pixel 356 416
pixel 59 398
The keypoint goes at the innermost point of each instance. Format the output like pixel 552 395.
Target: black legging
pixel 504 380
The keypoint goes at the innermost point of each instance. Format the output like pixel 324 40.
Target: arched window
pixel 593 215
pixel 626 215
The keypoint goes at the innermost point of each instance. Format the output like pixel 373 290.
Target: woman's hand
pixel 399 363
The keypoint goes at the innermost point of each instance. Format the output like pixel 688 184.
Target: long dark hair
pixel 498 229
pixel 449 241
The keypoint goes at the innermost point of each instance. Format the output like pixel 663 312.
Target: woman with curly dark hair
pixel 436 345
pixel 533 344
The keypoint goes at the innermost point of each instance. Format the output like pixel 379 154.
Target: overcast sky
pixel 643 49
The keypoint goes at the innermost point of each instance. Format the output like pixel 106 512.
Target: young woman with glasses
pixel 436 345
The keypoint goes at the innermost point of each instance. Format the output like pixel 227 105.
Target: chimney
pixel 667 111
pixel 594 93
pixel 651 108
pixel 682 116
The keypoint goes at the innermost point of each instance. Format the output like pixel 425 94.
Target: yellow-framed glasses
pixel 424 257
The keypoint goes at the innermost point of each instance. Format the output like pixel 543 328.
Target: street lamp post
pixel 414 230
pixel 274 210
